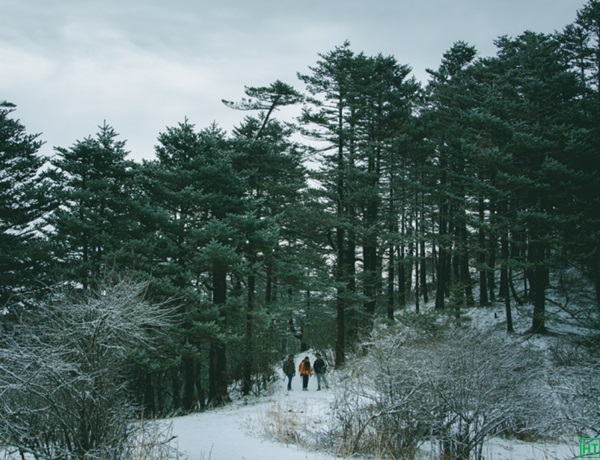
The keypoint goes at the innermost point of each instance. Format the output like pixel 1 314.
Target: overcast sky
pixel 144 65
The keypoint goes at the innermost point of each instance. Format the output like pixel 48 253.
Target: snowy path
pixel 236 432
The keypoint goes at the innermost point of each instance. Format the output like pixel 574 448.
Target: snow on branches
pixel 452 389
pixel 63 371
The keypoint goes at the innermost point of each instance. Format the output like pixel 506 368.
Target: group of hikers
pixel 319 367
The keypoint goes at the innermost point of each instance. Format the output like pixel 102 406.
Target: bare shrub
pixel 378 404
pixel 575 383
pixel 484 384
pixel 293 423
pixel 454 389
pixel 63 389
pixel 152 440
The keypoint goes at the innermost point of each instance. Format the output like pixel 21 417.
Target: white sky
pixel 144 65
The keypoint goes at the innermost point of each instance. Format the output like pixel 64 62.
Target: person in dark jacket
pixel 320 368
pixel 289 369
pixel 305 371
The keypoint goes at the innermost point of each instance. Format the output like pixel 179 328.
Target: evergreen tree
pixel 386 99
pixel 580 44
pixel 23 202
pixel 274 176
pixel 271 165
pixel 330 118
pixel 193 195
pixel 93 183
pixel 449 107
pixel 502 128
pixel 358 107
pixel 540 102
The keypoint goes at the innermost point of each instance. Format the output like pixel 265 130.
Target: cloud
pixel 143 65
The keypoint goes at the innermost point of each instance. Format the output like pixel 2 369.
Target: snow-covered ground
pixel 244 430
pixel 249 430
pixel 269 427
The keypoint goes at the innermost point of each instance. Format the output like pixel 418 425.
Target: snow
pixel 503 449
pixel 239 431
pixel 248 429
pixel 282 425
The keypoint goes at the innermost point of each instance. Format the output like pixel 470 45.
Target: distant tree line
pixel 383 194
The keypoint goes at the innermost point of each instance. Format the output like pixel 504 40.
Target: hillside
pixel 294 425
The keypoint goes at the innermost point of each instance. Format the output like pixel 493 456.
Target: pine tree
pixel 580 44
pixel 386 99
pixel 359 106
pixel 540 103
pixel 193 196
pixel 23 202
pixel 93 183
pixel 330 116
pixel 449 107
pixel 271 166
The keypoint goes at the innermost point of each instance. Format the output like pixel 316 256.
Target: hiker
pixel 320 368
pixel 305 372
pixel 289 369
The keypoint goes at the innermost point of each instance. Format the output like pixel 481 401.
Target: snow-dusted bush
pixel 453 389
pixel 152 440
pixel 63 386
pixel 378 406
pixel 575 382
pixel 482 385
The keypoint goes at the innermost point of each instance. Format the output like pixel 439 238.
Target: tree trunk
pixel 465 273
pixel 217 389
pixel 217 376
pixel 370 282
pixel 189 371
pixel 417 280
pixel 423 258
pixel 248 352
pixel 443 266
pixel 504 283
pixel 402 270
pixel 539 279
pixel 483 271
pixel 391 280
pixel 340 341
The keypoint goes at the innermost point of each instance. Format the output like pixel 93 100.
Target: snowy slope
pixel 250 430
pixel 238 431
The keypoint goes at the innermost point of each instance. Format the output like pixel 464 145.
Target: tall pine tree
pixel 93 184
pixel 23 202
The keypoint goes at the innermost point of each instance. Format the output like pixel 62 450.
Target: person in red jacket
pixel 305 371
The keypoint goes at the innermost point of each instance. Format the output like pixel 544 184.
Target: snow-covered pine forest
pixel 373 226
